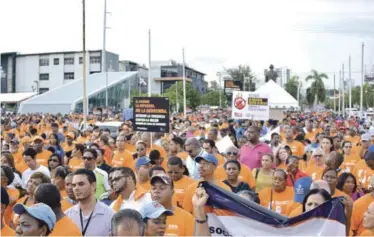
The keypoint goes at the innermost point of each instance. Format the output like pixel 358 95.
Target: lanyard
pixel 271 199
pixel 88 221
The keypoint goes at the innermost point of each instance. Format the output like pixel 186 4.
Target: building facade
pixel 43 72
pixel 284 74
pixel 130 66
pixel 167 73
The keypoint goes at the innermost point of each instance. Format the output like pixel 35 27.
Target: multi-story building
pixel 284 74
pixel 130 66
pixel 42 72
pixel 167 73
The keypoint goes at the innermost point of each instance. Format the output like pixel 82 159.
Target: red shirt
pixel 291 179
pixel 251 156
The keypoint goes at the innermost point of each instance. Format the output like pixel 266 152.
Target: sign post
pixel 250 105
pixel 151 114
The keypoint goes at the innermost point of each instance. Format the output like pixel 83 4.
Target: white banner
pixel 250 105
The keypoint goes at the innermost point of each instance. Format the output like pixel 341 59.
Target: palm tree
pixel 318 87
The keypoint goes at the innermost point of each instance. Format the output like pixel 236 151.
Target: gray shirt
pixel 100 224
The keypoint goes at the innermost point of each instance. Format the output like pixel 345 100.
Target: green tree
pixel 214 86
pixel 192 96
pixel 317 89
pixel 244 74
pixel 212 98
pixel 292 86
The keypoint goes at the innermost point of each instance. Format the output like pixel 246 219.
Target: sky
pixel 300 35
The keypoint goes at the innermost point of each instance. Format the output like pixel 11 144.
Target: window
pixel 44 62
pixel 69 61
pixel 44 76
pixel 69 75
pixel 80 60
pixel 95 59
pixel 56 61
pixel 43 90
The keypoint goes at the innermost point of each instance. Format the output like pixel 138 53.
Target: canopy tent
pixel 15 97
pixel 278 97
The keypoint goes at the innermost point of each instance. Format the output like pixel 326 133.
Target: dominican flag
pixel 142 82
pixel 230 215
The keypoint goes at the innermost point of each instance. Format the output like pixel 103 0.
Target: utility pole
pixel 149 65
pixel 340 91
pixel 84 102
pixel 219 89
pixel 184 87
pixel 104 63
pixel 334 96
pixel 343 90
pixel 350 87
pixel 362 81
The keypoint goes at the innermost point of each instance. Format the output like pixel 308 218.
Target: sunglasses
pixel 347 147
pixel 232 153
pixel 140 149
pixel 87 158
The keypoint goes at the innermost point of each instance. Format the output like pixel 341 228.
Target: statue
pixel 271 75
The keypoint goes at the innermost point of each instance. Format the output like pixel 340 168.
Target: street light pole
pixel 219 89
pixel 362 81
pixel 104 64
pixel 84 102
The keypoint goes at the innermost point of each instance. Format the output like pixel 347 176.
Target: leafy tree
pixel 317 89
pixel 292 86
pixel 213 85
pixel 212 98
pixel 244 74
pixel 192 96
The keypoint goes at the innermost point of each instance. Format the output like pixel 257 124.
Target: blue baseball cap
pixel 39 211
pixel 154 210
pixel 142 161
pixel 371 148
pixel 208 157
pixel 301 188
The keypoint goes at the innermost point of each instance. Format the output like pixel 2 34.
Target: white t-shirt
pixel 17 181
pixel 135 205
pixel 27 173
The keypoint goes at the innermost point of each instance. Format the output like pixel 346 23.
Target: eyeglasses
pixel 140 149
pixel 347 146
pixel 87 158
pixel 232 153
pixel 318 156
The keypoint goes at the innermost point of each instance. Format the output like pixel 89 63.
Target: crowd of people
pixel 58 180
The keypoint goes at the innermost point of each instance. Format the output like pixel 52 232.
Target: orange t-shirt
pixel 180 224
pixel 160 149
pixel 297 148
pixel 293 207
pixel 65 205
pixel 350 161
pixel 108 154
pixel 245 175
pixel 42 158
pixel 76 163
pixel 180 188
pixel 191 190
pixel 360 206
pixel 365 181
pixel 311 135
pixel 130 147
pixel 276 201
pixel 122 159
pixel 7 231
pixel 183 155
pixel 367 233
pixel 67 148
pixel 297 211
pixel 146 186
pixel 65 227
pixel 220 159
pixel 361 168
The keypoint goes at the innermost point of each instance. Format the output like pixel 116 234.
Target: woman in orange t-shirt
pixel 315 164
pixel 368 222
pixel 281 157
pixel 350 159
pixel 278 197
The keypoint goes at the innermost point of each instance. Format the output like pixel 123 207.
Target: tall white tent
pixel 278 97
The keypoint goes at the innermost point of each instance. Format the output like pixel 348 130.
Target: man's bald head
pixel 334 160
pixel 192 142
pixel 320 184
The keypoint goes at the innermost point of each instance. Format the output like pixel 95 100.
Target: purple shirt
pixel 251 156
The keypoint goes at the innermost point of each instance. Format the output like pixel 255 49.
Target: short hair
pixel 369 156
pixel 175 160
pixel 192 142
pixel 178 140
pixel 30 152
pixel 126 171
pixel 49 195
pixel 251 194
pixel 339 158
pixel 92 151
pixel 4 197
pixel 257 129
pixel 8 173
pixel 237 163
pixel 154 155
pixel 125 216
pixel 281 171
pixel 62 171
pixel 153 169
pixel 39 175
pixel 329 169
pixel 94 144
pixel 54 125
pixel 88 173
pixel 211 143
pixel 291 157
pixel 274 134
pixel 232 148
pixel 322 192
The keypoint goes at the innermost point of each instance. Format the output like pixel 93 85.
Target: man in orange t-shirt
pixel 297 147
pixel 182 222
pixel 42 154
pixel 50 195
pixel 368 222
pixel 121 157
pixel 207 165
pixel 181 182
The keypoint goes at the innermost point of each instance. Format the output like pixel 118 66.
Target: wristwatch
pixel 201 221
